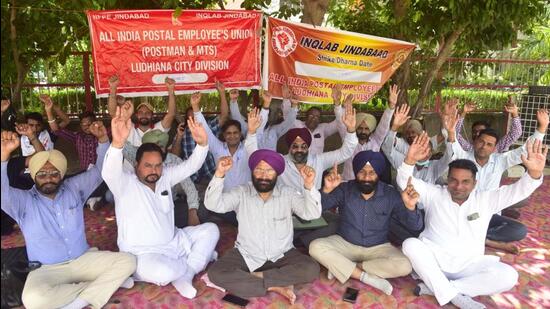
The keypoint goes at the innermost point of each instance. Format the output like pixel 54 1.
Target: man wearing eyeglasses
pixel 51 217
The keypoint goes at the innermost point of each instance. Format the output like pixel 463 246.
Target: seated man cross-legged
pixel 449 255
pixel 366 208
pixel 263 258
pixel 145 209
pixel 71 275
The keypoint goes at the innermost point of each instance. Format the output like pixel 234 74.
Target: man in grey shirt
pixel 264 258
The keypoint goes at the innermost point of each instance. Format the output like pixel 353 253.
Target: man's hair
pixel 464 164
pixel 148 147
pixel 490 132
pixel 229 123
pixel 481 123
pixel 85 115
pixel 313 108
pixel 34 116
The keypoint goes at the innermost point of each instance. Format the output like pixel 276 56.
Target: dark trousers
pixel 307 236
pixel 399 231
pixel 505 229
pixel 231 273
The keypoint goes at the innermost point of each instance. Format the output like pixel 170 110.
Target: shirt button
pixel 66 239
pixel 62 227
pixel 59 214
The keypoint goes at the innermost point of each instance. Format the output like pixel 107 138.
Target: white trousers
pixel 161 269
pixel 485 277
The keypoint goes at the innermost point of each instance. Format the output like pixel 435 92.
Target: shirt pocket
pixel 282 226
pixel 380 219
pixel 164 203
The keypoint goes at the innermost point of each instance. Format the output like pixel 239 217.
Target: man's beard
pixel 363 136
pixel 151 178
pixel 366 187
pixel 264 185
pixel 299 157
pixel 144 121
pixel 48 188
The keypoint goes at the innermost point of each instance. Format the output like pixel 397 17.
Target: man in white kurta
pixel 449 254
pixel 145 210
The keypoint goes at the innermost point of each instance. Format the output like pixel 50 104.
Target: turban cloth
pixel 303 133
pixel 55 157
pixel 368 118
pixel 375 159
pixel 274 159
pixel 415 125
pixel 156 137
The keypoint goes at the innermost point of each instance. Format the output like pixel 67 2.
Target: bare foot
pixel 287 292
pixel 258 274
pixel 509 247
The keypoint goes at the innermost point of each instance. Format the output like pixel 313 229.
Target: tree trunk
pixel 20 67
pixel 314 11
pixel 443 54
pixel 403 75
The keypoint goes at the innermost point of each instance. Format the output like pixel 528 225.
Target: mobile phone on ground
pixel 351 295
pixel 230 298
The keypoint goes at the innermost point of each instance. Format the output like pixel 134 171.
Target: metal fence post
pixel 87 82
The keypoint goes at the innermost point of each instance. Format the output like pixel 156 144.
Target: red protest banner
pixel 196 48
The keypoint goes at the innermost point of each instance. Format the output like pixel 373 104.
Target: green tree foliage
pixel 440 28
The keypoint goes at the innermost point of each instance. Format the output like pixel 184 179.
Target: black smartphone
pixel 230 298
pixel 351 295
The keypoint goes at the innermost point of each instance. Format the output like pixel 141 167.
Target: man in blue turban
pixel 360 249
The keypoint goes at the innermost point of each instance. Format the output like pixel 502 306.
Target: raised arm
pixel 178 173
pixel 534 162
pixel 468 107
pixel 513 157
pixel 234 110
pixel 337 126
pixel 224 108
pixel 85 183
pixel 12 199
pixel 168 119
pixel 384 126
pixel 350 142
pixel 418 150
pixel 254 122
pixel 25 129
pixel 515 129
pixel 214 199
pixel 307 204
pixel 401 116
pixel 214 144
pixel 112 102
pixel 176 144
pixel 112 171
pixel 50 107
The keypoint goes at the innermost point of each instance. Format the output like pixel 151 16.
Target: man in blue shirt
pixel 50 215
pixel 366 207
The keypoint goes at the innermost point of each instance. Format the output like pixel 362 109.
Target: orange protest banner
pixel 312 60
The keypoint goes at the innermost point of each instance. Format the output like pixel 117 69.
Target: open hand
pixel 9 142
pixel 536 158
pixel 336 94
pixel 394 94
pixel 120 126
pixel 254 120
pixel 419 149
pixel 349 119
pixel 400 117
pixel 48 103
pixel 197 132
pixel 542 119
